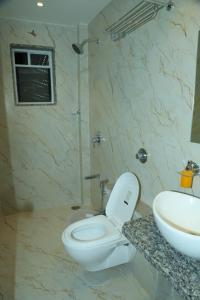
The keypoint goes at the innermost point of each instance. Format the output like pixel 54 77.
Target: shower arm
pixel 89 41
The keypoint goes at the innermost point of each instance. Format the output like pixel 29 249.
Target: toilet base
pixel 121 254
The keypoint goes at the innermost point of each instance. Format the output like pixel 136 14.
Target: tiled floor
pixel 34 264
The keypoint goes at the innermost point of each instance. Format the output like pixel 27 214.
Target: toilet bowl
pixel 97 243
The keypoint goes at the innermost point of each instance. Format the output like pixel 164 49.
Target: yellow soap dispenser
pixel 187 176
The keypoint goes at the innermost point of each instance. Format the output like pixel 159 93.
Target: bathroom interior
pixel 59 161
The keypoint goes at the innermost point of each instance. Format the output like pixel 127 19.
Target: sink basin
pixel 177 216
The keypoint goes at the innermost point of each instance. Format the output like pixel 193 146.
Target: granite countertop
pixel 182 271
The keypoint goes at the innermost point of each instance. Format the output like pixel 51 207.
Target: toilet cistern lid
pixel 123 197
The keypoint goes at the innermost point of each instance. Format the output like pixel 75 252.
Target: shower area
pixel 45 148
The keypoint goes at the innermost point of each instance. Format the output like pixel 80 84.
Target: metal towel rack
pixel 142 13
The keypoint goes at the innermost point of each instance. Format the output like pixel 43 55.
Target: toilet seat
pixel 91 233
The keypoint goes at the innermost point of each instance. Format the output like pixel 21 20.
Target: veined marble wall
pixel 7 198
pixel 142 94
pixel 40 149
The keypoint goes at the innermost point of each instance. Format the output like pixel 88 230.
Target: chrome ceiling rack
pixel 142 13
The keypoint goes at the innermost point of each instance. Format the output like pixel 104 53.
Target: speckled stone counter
pixel 182 271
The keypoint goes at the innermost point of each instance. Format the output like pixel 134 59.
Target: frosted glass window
pixel 33 72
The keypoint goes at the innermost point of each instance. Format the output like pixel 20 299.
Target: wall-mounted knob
pixel 98 139
pixel 142 155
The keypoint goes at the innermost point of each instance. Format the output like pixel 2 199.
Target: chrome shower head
pixel 78 48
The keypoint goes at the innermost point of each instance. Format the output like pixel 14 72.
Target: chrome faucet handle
pixel 98 139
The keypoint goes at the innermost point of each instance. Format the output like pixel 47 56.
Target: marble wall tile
pixel 6 179
pixel 43 161
pixel 142 94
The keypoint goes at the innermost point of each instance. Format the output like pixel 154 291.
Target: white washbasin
pixel 177 216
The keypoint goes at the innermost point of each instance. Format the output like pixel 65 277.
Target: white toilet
pixel 97 243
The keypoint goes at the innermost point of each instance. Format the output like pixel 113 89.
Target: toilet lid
pixel 123 198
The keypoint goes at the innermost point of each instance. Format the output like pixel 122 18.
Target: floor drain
pixel 75 207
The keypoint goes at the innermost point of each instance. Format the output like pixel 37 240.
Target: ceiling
pixel 65 12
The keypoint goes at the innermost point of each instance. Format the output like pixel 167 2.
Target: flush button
pixel 128 196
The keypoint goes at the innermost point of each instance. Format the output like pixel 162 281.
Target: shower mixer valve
pixel 98 139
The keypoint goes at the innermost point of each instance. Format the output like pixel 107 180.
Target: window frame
pixel 14 48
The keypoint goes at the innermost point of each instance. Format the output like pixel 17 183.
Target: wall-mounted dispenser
pixel 188 174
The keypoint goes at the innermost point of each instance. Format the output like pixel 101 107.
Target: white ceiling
pixel 65 12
